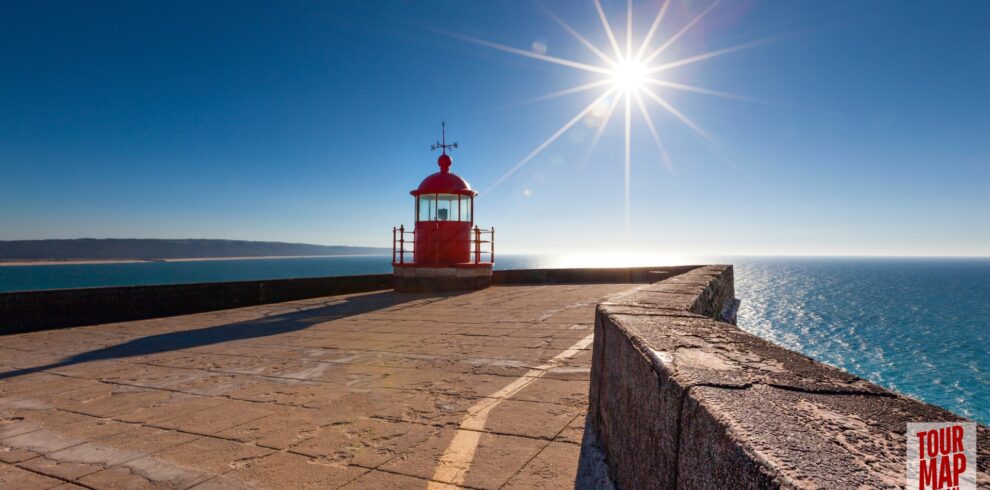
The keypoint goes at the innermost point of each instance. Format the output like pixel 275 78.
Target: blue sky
pixel 310 122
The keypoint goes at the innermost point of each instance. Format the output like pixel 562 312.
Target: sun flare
pixel 631 75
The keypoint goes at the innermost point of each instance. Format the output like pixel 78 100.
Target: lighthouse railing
pixel 483 242
pixel 399 244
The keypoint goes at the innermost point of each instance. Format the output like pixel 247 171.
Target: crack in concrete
pixel 54 477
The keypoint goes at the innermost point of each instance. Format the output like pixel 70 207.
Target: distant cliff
pixel 151 249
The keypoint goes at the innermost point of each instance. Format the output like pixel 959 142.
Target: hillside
pixel 151 249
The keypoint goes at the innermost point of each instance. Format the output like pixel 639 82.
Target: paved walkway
pixel 483 390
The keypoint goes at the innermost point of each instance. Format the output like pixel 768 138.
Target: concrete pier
pixel 486 389
pixel 548 379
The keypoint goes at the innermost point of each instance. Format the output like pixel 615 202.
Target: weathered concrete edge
pixel 30 311
pixel 666 421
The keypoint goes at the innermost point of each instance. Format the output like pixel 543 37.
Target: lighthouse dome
pixel 444 182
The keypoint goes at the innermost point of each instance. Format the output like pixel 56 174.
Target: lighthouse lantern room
pixel 447 248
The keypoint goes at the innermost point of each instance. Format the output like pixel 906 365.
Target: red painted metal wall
pixel 442 242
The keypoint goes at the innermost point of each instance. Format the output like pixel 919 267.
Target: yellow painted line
pixel 456 460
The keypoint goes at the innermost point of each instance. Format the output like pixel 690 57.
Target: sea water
pixel 920 327
pixel 917 326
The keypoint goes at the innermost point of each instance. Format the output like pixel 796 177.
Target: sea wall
pixel 41 310
pixel 615 275
pixel 680 399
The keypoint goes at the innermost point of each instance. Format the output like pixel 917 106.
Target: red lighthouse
pixel 447 247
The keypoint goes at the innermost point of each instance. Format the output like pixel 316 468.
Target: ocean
pixel 918 326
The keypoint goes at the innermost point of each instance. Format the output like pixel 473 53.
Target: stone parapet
pixel 608 275
pixel 41 310
pixel 680 399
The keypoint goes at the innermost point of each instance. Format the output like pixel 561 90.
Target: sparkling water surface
pixel 919 326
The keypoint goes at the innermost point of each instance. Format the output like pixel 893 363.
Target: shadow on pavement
pixel 259 327
pixel 592 472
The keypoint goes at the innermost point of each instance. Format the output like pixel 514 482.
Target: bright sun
pixel 630 75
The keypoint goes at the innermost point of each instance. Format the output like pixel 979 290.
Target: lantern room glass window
pixel 443 207
pixel 427 206
pixel 445 204
pixel 466 202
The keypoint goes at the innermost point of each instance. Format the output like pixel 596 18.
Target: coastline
pixel 29 262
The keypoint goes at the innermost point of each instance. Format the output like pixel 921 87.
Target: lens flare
pixel 629 74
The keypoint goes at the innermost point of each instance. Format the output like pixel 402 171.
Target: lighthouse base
pixel 416 278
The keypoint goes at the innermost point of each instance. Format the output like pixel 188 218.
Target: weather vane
pixel 443 134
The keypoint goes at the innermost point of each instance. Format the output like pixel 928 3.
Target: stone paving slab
pixel 358 391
